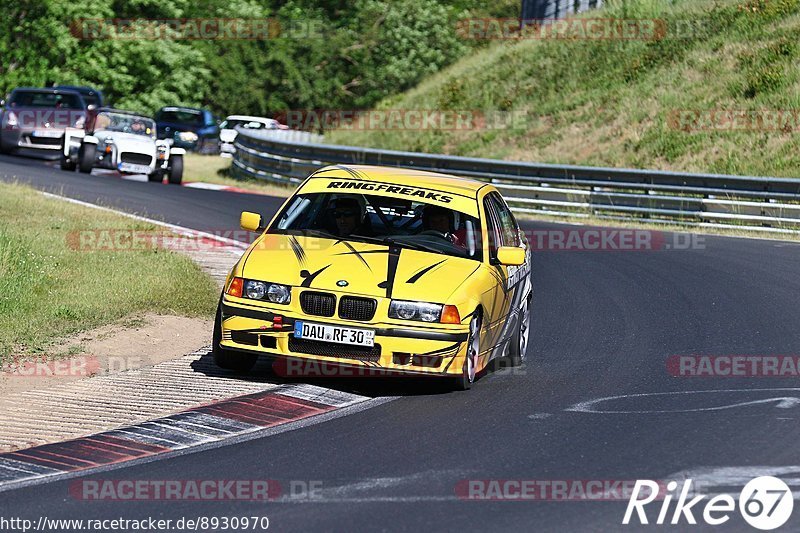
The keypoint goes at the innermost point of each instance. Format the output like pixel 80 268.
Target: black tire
pixel 155 176
pixel 86 157
pixel 66 163
pixel 229 359
pixel 8 149
pixel 175 175
pixel 519 341
pixel 467 377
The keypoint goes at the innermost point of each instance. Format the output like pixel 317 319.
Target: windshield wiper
pixel 414 246
pixel 392 241
pixel 365 238
pixel 319 233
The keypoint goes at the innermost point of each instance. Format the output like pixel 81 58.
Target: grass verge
pixel 50 288
pixel 216 169
pixel 627 103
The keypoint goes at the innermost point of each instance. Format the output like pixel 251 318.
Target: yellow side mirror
pixel 510 255
pixel 250 221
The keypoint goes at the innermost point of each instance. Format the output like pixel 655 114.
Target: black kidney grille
pixel 135 159
pixel 353 308
pixel 318 303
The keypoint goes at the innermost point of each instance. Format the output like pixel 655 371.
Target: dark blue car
pixel 93 97
pixel 188 127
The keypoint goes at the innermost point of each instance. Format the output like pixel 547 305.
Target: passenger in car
pixel 440 219
pixel 436 218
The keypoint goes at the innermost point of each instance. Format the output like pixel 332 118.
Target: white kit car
pixel 123 141
pixel 228 133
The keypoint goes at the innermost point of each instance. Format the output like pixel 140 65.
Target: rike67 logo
pixel 765 503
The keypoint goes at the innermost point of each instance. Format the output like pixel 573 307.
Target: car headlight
pixel 187 136
pixel 279 294
pixel 11 119
pixel 272 292
pixel 420 311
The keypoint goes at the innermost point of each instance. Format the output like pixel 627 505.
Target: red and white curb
pixel 214 409
pixel 190 184
pixel 200 427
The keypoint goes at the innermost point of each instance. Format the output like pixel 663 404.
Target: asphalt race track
pixel 604 324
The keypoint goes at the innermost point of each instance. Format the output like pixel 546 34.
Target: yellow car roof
pixel 428 187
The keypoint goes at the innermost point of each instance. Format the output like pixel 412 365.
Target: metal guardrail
pixel 710 200
pixel 556 9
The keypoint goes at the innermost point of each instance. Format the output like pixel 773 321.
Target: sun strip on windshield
pixel 417 193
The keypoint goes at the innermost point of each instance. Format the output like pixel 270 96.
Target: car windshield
pixel 46 99
pixel 91 99
pixel 382 220
pixel 181 116
pixel 122 122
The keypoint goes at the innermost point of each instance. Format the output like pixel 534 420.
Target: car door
pixel 514 284
pixel 496 301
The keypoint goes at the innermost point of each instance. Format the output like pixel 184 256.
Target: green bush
pixel 366 50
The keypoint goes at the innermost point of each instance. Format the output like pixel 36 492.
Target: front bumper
pixel 226 148
pixel 435 350
pixel 25 138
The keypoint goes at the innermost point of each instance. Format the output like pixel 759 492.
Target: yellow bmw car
pixel 396 271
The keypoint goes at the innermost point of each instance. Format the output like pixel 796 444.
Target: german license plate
pixel 50 134
pixel 337 334
pixel 135 169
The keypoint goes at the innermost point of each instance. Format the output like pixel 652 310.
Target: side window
pixel 493 227
pixel 508 225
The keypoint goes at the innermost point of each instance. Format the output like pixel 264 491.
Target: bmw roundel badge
pixel 342 283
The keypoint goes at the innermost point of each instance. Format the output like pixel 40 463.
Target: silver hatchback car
pixel 37 118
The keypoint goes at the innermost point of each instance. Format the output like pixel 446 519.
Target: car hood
pixel 368 269
pixel 129 142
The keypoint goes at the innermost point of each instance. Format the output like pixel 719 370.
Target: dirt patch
pixel 140 342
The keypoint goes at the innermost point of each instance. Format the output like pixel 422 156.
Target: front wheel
pixel 87 156
pixel 228 359
pixel 468 370
pixel 175 169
